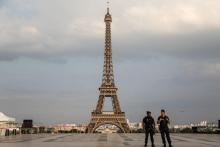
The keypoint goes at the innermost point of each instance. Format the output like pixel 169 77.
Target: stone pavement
pixel 106 140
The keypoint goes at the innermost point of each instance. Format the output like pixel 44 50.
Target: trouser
pixel 151 132
pixel 167 133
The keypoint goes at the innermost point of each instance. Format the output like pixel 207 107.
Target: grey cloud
pixel 202 45
pixel 176 69
pixel 64 30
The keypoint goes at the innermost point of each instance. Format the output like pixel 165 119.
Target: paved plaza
pixel 105 140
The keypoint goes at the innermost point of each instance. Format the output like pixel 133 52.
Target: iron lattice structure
pixel 108 89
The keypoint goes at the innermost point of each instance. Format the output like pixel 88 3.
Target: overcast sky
pixel 166 55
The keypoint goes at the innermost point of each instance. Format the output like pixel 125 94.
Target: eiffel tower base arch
pixel 98 120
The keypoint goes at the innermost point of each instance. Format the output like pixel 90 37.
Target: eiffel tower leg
pixel 100 104
pixel 116 105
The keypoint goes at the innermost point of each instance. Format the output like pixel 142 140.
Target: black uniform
pixel 164 129
pixel 149 127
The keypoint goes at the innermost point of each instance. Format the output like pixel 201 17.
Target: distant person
pixel 149 128
pixel 163 122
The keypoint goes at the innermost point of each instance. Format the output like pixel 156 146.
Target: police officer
pixel 149 128
pixel 163 122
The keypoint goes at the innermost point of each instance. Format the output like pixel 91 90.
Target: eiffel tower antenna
pixel 108 4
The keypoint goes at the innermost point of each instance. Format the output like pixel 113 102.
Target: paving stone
pixel 106 140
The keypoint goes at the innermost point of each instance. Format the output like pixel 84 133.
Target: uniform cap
pixel 162 110
pixel 148 112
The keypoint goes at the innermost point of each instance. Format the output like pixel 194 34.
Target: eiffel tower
pixel 108 90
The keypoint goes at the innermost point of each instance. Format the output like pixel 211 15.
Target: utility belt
pixel 164 129
pixel 150 130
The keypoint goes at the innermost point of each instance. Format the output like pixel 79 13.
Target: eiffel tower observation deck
pixel 108 90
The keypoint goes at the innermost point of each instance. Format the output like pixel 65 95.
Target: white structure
pixel 7 125
pixel 64 127
pixel 181 127
pixel 4 118
pixel 135 125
